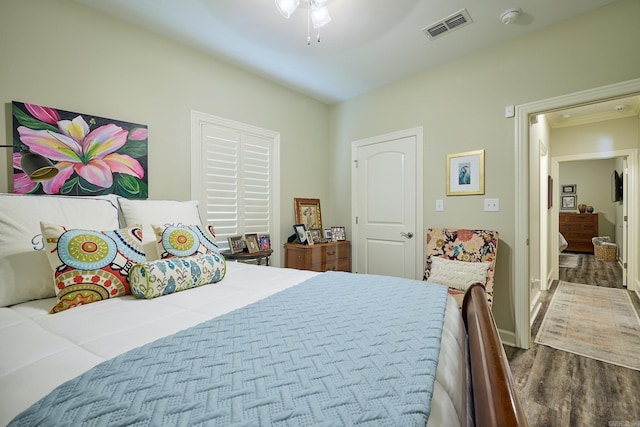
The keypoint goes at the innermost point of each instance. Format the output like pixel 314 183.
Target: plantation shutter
pixel 238 175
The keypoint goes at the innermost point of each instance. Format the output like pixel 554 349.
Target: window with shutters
pixel 235 177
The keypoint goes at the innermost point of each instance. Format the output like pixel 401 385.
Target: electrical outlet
pixel 439 205
pixel 491 205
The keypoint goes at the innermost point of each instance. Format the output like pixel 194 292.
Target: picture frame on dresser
pixel 308 213
pixel 568 203
pixel 338 233
pixel 301 233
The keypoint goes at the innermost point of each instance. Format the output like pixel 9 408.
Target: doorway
pixel 523 145
pixel 387 204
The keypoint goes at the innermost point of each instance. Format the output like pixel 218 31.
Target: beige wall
pixel 461 107
pixel 64 55
pixel 598 137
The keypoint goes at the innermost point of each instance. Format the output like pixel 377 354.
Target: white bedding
pixel 40 351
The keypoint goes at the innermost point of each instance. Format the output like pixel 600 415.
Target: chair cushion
pixel 458 274
pixel 463 245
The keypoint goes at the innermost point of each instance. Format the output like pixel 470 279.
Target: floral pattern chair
pixel 463 245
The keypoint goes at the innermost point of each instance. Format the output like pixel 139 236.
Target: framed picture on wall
pixel 568 203
pixel 568 189
pixel 465 173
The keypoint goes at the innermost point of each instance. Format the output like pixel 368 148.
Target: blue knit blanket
pixel 338 349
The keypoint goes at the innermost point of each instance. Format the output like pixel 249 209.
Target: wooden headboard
pixel 495 400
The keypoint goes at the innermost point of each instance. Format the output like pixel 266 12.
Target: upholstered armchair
pixel 448 252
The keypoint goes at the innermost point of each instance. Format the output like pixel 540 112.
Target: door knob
pixel 407 235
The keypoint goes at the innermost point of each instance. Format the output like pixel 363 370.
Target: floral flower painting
pixel 93 155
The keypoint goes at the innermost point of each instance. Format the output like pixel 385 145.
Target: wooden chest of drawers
pixel 319 257
pixel 578 229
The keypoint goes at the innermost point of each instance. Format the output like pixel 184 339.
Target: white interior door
pixel 387 205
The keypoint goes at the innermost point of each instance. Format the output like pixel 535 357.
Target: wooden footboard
pixel 495 400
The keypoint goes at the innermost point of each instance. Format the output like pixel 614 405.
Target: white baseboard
pixel 507 337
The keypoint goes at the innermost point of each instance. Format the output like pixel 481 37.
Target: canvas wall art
pixel 93 155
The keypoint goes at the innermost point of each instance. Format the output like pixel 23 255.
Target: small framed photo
pixel 265 242
pixel 301 233
pixel 252 243
pixel 338 233
pixel 326 233
pixel 568 203
pixel 317 236
pixel 308 213
pixel 236 244
pixel 465 173
pixel 309 238
pixel 568 189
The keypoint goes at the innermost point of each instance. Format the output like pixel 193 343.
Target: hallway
pixel 564 389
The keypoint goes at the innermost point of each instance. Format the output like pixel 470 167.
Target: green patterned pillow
pixel 165 276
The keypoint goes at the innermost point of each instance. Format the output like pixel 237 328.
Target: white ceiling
pixel 369 43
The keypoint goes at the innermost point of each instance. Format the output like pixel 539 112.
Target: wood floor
pixel 557 388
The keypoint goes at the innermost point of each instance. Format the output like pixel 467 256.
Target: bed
pixel 259 346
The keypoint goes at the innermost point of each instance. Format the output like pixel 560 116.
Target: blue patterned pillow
pixel 165 276
pixel 185 240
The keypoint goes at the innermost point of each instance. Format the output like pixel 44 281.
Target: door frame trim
pixel 417 133
pixel 521 289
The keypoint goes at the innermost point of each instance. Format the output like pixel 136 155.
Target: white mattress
pixel 40 351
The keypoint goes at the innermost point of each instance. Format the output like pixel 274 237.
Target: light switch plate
pixel 491 205
pixel 439 205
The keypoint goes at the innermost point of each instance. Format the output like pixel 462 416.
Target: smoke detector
pixel 510 15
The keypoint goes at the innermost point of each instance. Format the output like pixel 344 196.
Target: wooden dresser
pixel 319 257
pixel 578 229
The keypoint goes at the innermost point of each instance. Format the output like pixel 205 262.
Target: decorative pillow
pixel 165 276
pixel 147 212
pixel 91 265
pixel 457 274
pixel 184 240
pixel 24 270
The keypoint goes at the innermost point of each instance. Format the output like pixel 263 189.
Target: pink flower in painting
pixel 77 148
pixel 21 182
pixel 45 114
pixel 138 134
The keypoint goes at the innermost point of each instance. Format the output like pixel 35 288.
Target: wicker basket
pixel 605 252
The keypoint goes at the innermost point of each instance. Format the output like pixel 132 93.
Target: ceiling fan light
pixel 319 14
pixel 287 7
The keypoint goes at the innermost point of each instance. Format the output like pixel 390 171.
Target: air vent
pixel 448 24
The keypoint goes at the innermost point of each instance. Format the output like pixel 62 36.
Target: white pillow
pixel 25 273
pixel 166 212
pixel 457 274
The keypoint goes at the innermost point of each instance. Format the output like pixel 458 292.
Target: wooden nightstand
pixel 319 257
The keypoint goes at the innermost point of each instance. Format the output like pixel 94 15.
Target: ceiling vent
pixel 448 24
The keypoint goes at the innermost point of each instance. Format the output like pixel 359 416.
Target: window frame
pixel 198 162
